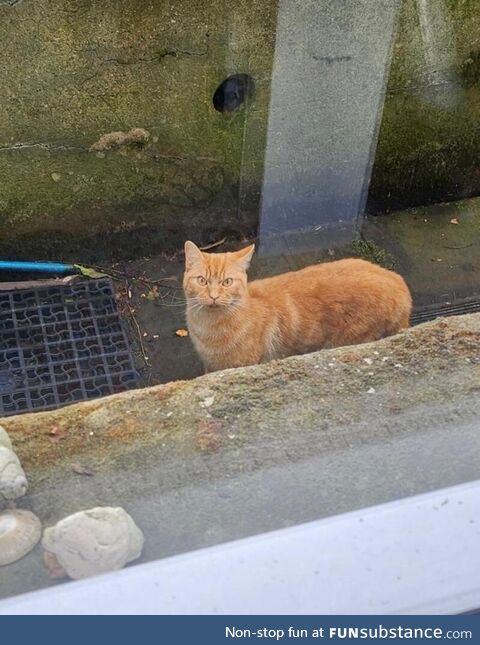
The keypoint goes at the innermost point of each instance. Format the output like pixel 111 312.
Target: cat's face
pixel 215 280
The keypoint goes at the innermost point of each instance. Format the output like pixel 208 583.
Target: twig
pixel 121 275
pixel 212 246
pixel 171 278
pixel 457 247
pixel 137 327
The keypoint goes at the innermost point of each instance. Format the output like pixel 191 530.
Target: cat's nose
pixel 214 299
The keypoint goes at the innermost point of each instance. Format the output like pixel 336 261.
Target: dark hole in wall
pixel 232 93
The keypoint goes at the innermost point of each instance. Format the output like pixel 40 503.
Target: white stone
pixel 13 482
pixel 5 439
pixel 91 542
pixel 206 403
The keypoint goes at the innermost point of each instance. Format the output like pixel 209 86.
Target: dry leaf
pixel 182 332
pixel 55 435
pixel 82 470
pixel 454 220
pixel 88 272
pixel 153 294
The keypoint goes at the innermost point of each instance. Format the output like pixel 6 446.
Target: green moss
pixel 369 250
pixel 435 247
pixel 425 154
pixel 470 69
pixel 428 148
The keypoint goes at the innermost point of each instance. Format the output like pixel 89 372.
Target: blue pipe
pixel 44 267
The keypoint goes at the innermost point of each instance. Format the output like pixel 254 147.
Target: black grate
pixel 60 344
pixel 456 308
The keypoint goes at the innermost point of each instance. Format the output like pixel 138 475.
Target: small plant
pixel 370 251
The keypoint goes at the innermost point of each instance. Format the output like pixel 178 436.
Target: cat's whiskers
pixel 195 305
pixel 173 304
pixel 237 305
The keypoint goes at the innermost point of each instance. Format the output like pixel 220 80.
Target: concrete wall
pixel 429 148
pixel 73 70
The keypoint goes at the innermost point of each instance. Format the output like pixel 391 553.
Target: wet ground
pixel 153 303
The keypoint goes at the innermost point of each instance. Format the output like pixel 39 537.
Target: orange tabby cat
pixel 233 323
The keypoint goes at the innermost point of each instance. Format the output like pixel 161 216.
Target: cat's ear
pixel 193 255
pixel 244 256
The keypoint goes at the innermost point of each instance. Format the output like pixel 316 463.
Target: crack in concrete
pixel 158 156
pixel 173 52
pixel 50 147
pixel 42 145
pixel 158 57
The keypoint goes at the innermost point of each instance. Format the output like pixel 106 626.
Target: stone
pixel 19 533
pixel 13 481
pixel 5 439
pixel 91 542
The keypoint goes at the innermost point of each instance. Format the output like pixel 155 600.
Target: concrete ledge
pixel 244 451
pixel 322 392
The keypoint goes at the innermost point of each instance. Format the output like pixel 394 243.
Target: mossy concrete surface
pixel 429 145
pixel 72 71
pixel 435 248
pixel 242 451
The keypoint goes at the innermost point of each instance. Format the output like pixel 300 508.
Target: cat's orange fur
pixel 233 323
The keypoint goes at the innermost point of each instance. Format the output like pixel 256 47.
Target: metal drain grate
pixel 60 344
pixel 456 308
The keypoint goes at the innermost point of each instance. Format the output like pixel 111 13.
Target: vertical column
pixel 328 84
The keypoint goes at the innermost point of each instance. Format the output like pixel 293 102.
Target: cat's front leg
pixel 208 368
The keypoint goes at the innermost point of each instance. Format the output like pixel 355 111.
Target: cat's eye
pixel 201 280
pixel 227 282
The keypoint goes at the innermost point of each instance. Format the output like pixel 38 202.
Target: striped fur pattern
pixel 233 322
